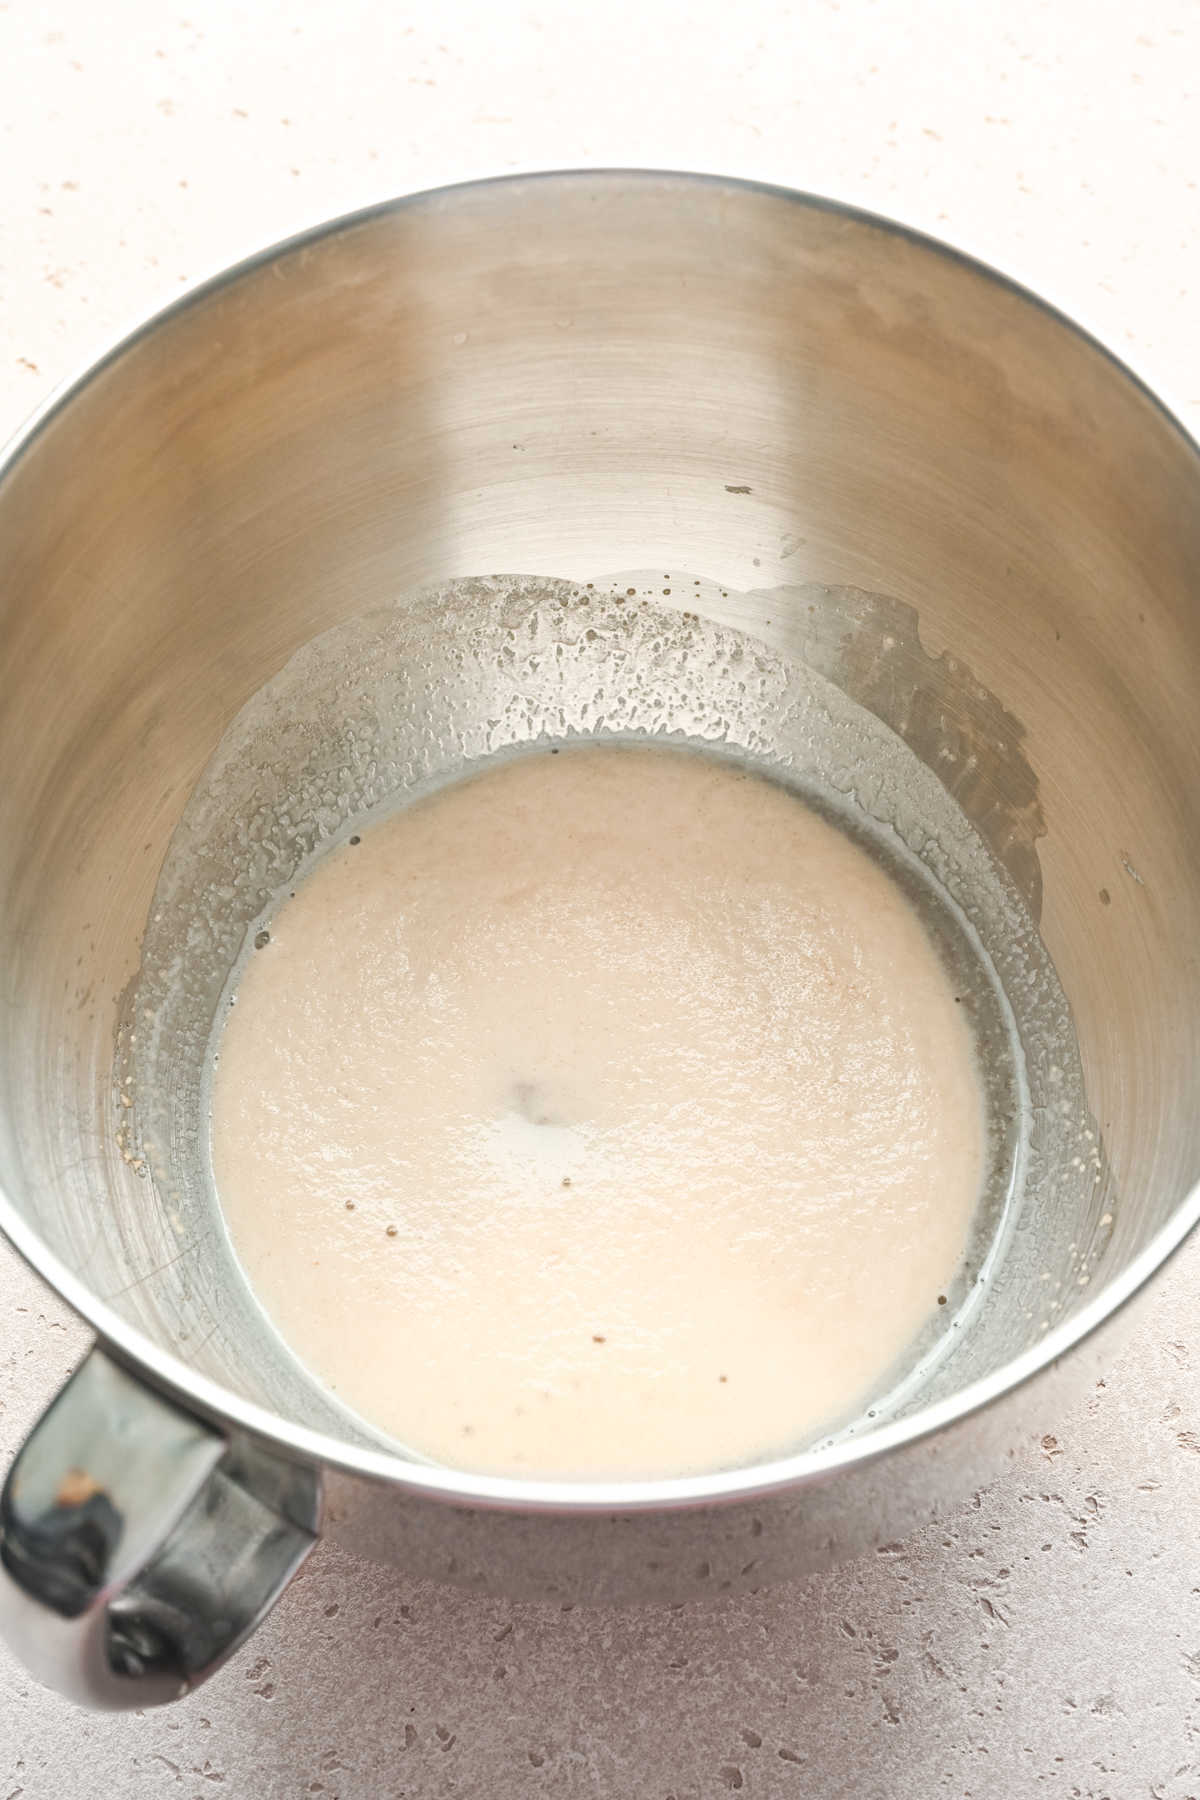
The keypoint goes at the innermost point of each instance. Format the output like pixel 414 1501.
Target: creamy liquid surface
pixel 606 1114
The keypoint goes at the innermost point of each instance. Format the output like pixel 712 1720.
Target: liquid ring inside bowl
pixel 397 704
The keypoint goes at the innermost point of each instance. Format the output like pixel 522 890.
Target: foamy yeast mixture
pixel 605 1114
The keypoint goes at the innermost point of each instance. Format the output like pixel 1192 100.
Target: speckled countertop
pixel 1047 1640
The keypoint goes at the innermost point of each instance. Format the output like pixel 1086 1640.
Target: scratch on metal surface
pixel 158 1269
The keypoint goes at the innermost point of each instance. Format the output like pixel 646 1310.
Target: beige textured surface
pixel 590 1253
pixel 1048 1641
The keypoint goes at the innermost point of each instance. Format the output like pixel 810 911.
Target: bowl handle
pixel 139 1546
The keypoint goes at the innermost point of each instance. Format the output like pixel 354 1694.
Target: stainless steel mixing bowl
pixel 895 466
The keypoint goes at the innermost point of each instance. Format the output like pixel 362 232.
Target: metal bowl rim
pixel 171 1375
